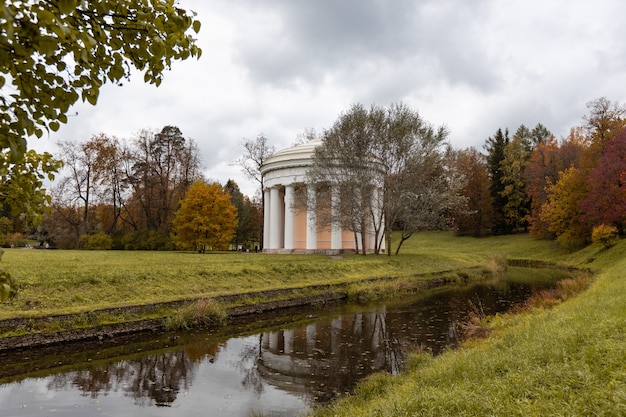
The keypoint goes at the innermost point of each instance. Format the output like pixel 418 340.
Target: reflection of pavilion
pixel 323 358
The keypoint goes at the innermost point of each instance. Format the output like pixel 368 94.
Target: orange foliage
pixel 206 219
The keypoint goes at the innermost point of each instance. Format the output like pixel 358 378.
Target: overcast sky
pixel 279 67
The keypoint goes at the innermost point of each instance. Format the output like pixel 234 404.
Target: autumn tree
pixel 606 201
pixel 164 165
pixel 561 211
pixel 476 219
pixel 604 121
pixel 582 194
pixel 110 155
pixel 205 220
pixel 53 53
pixel 94 177
pixel 547 160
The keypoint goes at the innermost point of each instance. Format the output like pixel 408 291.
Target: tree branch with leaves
pixel 53 53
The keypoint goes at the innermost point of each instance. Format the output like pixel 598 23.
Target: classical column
pixel 275 218
pixel 311 337
pixel 311 218
pixel 266 218
pixel 289 217
pixel 273 345
pixel 335 230
pixel 288 341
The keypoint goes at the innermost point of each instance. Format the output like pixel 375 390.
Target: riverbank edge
pixel 276 300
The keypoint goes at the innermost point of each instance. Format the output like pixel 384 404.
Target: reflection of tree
pixel 159 377
pixel 249 355
pixel 150 379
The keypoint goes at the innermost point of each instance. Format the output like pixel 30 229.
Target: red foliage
pixel 606 203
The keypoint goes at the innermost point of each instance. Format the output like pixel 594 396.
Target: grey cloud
pixel 311 38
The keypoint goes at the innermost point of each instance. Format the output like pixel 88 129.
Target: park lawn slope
pixel 60 282
pixel 569 360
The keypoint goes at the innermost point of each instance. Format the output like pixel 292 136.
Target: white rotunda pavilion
pixel 287 228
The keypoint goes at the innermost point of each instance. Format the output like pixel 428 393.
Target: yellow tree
pixel 205 220
pixel 561 211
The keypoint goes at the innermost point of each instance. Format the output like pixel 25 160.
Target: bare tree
pixel 346 163
pixel 431 196
pixel 387 164
pixel 79 185
pixel 256 152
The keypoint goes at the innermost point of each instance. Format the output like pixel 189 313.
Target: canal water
pixel 278 366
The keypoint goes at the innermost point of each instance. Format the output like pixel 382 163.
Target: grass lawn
pixel 55 282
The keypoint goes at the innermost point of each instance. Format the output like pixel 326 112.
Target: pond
pixel 277 366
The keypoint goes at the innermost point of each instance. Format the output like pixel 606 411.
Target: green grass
pixel 568 360
pixel 57 282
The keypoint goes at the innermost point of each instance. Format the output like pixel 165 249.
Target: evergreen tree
pixel 244 232
pixel 517 203
pixel 495 155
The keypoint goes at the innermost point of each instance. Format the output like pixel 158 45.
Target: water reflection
pixel 278 371
pixel 148 380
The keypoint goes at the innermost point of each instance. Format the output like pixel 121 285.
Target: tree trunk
pixel 403 237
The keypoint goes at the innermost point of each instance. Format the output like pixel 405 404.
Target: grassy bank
pixel 59 282
pixel 568 360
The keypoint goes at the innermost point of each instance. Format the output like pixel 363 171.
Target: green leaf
pixel 67 6
pixel 54 126
pixel 196 26
pixel 5 292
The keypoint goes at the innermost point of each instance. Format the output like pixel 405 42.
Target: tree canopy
pixel 22 193
pixel 388 165
pixel 206 219
pixel 53 53
pixel 606 201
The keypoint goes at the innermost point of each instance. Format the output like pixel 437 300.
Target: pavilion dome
pixel 289 165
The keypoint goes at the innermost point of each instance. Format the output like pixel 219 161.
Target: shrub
pixel 98 241
pixel 497 265
pixel 201 313
pixel 8 286
pixel 146 240
pixel 474 328
pixel 605 235
pixel 571 241
pixel 16 240
pixel 564 289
